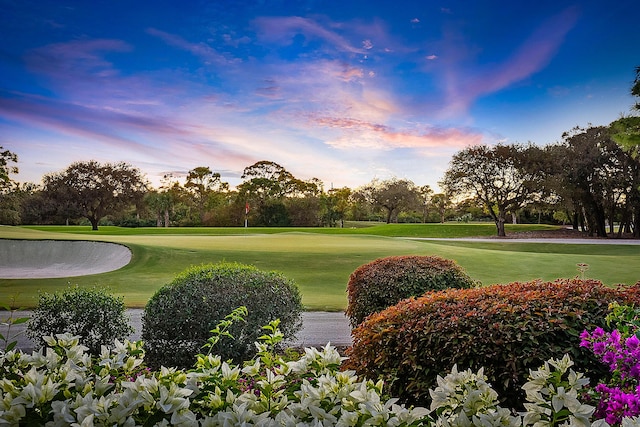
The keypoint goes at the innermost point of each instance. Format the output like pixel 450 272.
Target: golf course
pixel 320 260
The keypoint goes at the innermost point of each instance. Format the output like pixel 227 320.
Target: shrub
pixel 507 329
pixel 90 313
pixel 178 319
pixel 382 283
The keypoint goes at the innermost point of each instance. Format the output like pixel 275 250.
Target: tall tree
pixel 596 172
pixel 6 168
pixel 96 190
pixel 204 183
pixel 392 195
pixel 266 184
pixel 502 177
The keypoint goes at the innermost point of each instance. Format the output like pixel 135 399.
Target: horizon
pixel 345 93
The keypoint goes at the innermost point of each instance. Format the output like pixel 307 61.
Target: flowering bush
pixel 620 351
pixel 63 385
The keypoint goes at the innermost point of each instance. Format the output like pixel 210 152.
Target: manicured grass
pixel 319 260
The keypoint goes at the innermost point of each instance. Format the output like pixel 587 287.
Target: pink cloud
pixel 535 53
pixel 363 134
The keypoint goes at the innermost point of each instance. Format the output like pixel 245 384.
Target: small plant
pixel 618 396
pixel 9 338
pixel 384 282
pixel 92 314
pixel 181 317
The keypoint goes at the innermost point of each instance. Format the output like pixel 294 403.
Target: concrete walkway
pixel 318 329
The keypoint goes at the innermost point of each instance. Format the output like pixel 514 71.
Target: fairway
pixel 320 263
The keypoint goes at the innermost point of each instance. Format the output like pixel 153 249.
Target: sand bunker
pixel 22 259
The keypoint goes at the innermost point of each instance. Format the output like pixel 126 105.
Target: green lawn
pixel 320 260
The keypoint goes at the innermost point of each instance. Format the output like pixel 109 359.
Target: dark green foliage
pixel 507 329
pixel 177 320
pixel 95 315
pixel 384 282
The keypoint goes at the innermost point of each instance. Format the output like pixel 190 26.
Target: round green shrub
pixel 178 318
pixel 382 283
pixel 91 313
pixel 507 329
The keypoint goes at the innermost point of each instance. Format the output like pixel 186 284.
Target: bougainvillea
pixel 507 329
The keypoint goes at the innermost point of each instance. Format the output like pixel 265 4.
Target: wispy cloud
pixel 466 82
pixel 202 50
pixel 75 57
pixel 363 134
pixel 283 29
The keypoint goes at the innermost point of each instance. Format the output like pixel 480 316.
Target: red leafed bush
pixel 507 329
pixel 382 283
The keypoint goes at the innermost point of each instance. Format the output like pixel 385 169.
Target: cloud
pixel 75 57
pixel 363 134
pixel 283 29
pixel 202 50
pixel 464 84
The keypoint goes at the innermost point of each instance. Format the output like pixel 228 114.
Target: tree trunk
pixel 94 223
pixel 166 217
pixel 389 211
pixel 500 219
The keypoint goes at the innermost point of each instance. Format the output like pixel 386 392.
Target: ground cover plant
pixel 319 263
pixel 178 319
pixel 383 282
pixel 506 329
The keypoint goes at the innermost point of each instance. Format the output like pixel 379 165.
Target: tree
pixel 441 203
pixel 392 195
pixel 425 193
pixel 96 190
pixel 6 169
pixel 502 178
pixel 266 184
pixel 204 184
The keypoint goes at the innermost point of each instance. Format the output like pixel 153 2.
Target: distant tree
pixel 266 184
pixel 601 178
pixel 6 168
pixel 205 185
pixel 441 203
pixel 425 193
pixel 502 177
pixel 335 206
pixel 96 190
pixel 391 196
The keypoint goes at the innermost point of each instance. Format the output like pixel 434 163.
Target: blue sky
pixel 344 91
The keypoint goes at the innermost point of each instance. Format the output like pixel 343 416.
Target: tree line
pixel 590 179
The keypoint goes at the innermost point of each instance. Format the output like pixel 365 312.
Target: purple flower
pixel 632 342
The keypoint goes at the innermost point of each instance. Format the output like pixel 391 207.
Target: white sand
pixel 22 259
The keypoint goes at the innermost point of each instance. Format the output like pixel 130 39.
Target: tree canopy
pixel 95 190
pixel 502 177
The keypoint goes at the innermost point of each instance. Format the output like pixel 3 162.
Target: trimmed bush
pixel 384 282
pixel 178 318
pixel 507 329
pixel 93 314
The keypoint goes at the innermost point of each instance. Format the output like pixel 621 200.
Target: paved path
pixel 594 241
pixel 318 329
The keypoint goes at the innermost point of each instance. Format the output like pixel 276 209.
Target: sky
pixel 343 91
